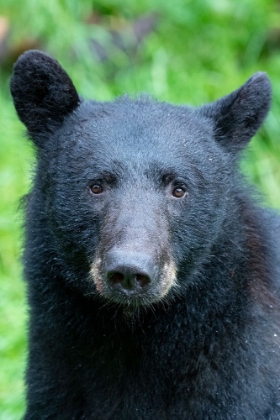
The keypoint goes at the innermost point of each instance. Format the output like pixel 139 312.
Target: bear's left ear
pixel 43 92
pixel 238 116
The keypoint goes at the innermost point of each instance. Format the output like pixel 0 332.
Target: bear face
pixel 116 218
pixel 135 192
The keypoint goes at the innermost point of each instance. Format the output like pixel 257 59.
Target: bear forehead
pixel 136 138
pixel 141 124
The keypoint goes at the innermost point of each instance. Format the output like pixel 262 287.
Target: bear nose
pixel 129 271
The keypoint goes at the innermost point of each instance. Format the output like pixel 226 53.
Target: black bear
pixel 153 277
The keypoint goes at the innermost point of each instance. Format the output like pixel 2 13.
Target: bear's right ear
pixel 43 92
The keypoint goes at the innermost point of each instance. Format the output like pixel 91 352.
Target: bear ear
pixel 43 92
pixel 238 116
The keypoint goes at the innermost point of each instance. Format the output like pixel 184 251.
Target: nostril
pixel 142 280
pixel 115 277
pixel 128 279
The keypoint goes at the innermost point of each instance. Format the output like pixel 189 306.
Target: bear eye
pixel 178 192
pixel 96 189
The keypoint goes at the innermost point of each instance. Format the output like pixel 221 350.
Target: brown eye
pixel 96 189
pixel 178 192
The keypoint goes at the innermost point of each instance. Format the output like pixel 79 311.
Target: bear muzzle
pixel 129 272
pixel 128 277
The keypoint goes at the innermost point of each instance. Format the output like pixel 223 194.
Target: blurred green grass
pixel 198 51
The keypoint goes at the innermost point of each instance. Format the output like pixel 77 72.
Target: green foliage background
pixel 199 51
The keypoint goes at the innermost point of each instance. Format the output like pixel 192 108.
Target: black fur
pixel 43 92
pixel 239 115
pixel 153 278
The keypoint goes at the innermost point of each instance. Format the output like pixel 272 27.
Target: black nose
pixel 129 271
